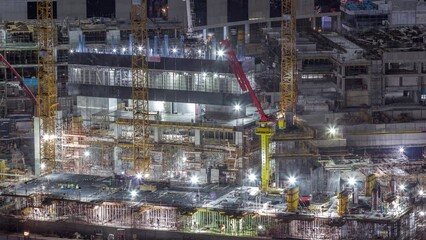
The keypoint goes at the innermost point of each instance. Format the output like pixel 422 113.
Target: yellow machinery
pixel 371 181
pixel 2 170
pixel 47 91
pixel 292 199
pixel 141 149
pixel 288 84
pixel 265 132
pixel 342 203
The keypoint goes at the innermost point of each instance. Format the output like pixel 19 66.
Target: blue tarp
pixel 31 82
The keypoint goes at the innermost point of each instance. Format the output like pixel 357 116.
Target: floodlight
pixel 352 181
pixel 252 177
pixel 194 179
pixel 220 53
pixel 292 180
pixel 237 107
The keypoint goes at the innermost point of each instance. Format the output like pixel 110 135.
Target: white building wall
pixel 122 9
pixel 305 8
pixel 72 8
pixel 217 12
pixel 177 11
pixel 258 9
pixel 13 9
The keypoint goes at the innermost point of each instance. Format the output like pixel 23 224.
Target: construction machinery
pixel 141 148
pixel 292 198
pixel 47 89
pixel 19 78
pixel 288 84
pixel 265 128
pixel 342 203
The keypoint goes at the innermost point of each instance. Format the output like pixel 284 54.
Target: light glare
pixel 292 180
pixel 194 179
pixel 220 53
pixel 139 176
pixel 237 107
pixel 252 177
pixel 351 181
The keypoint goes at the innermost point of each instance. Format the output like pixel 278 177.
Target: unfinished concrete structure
pixel 356 111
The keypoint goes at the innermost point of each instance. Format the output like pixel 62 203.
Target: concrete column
pixel 37 163
pixel 225 32
pixel 197 157
pixel 247 33
pixel 117 163
pixel 205 34
pixel 339 23
pixel 239 138
pixel 314 23
pixel 197 137
pixel 157 134
pixel 117 131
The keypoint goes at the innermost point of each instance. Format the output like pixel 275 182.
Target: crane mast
pixel 288 84
pixel 141 148
pixel 47 90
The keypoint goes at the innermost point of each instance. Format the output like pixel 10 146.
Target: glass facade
pixel 171 80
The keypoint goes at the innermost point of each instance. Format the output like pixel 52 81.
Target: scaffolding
pixel 231 222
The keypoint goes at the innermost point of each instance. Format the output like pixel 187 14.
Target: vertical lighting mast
pixel 47 91
pixel 288 84
pixel 141 151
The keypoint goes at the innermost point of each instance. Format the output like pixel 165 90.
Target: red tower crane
pixel 264 130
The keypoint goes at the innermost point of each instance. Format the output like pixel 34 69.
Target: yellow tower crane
pixel 47 91
pixel 141 148
pixel 288 84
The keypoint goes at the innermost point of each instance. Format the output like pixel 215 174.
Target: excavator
pixel 265 128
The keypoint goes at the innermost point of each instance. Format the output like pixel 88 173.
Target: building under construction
pixel 162 127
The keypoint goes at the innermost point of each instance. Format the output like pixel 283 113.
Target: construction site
pixel 142 124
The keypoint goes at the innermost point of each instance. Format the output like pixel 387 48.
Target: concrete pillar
pixel 247 33
pixel 117 131
pixel 314 23
pixel 157 134
pixel 205 34
pixel 197 137
pixel 225 32
pixel 197 157
pixel 239 138
pixel 117 163
pixel 37 163
pixel 339 23
pixel 269 24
